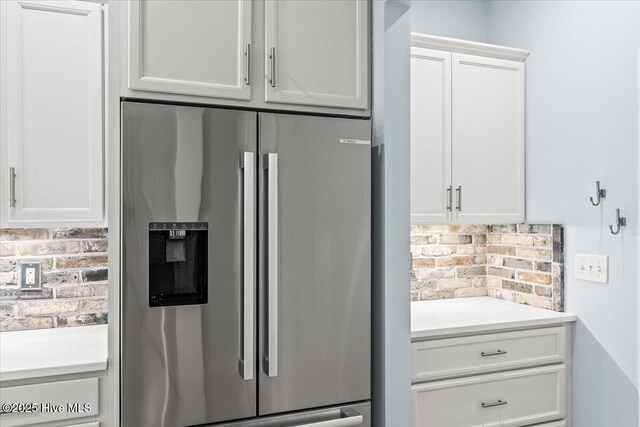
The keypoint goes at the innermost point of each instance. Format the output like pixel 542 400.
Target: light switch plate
pixel 30 276
pixel 592 268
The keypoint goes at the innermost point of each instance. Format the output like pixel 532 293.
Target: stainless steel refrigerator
pixel 245 268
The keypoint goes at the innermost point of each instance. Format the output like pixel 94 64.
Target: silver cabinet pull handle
pixel 459 203
pixel 272 63
pixel 271 361
pixel 247 65
pixel 449 198
pixel 492 404
pixel 248 263
pixel 347 418
pixel 12 187
pixel 492 353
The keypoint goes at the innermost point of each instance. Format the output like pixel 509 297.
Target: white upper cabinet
pixel 317 52
pixel 467 132
pixel 430 135
pixel 52 113
pixel 488 139
pixel 307 56
pixel 191 47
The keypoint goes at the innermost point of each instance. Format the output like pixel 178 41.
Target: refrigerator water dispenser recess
pixel 177 263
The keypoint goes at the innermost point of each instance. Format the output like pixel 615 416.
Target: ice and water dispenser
pixel 177 263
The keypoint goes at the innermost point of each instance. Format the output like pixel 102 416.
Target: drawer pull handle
pixel 492 404
pixel 492 353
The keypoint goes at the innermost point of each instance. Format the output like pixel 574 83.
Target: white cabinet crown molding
pixel 468 47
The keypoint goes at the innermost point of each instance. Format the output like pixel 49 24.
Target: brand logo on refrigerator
pixel 355 141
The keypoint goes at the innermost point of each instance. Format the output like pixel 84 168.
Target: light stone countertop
pixel 459 316
pixel 47 352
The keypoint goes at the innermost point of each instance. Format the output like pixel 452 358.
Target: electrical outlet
pixel 30 278
pixel 592 268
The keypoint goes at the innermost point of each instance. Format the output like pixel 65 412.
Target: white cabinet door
pixel 192 47
pixel 430 136
pixel 53 81
pixel 317 53
pixel 488 139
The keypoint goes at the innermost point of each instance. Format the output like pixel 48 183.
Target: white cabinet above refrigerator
pixel 190 47
pixel 317 53
pixel 310 56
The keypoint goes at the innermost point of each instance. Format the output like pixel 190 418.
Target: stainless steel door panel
pixel 181 365
pixel 322 256
pixel 341 416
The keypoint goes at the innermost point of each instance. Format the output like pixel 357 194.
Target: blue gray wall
pixel 459 19
pixel 390 187
pixel 582 124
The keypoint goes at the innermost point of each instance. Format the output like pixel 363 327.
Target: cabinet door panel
pixel 430 135
pixel 488 139
pixel 321 52
pixel 54 111
pixel 190 47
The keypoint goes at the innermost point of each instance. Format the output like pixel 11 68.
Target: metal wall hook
pixel 620 222
pixel 600 194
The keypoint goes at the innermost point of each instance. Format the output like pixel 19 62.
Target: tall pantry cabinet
pixel 467 132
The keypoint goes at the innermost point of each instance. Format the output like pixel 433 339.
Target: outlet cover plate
pixel 30 276
pixel 592 268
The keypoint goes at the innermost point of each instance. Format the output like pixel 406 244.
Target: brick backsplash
pixel 74 278
pixel 520 263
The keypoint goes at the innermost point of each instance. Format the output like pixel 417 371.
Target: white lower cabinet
pixel 510 379
pixel 65 403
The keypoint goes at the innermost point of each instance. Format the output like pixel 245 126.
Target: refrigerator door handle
pixel 348 418
pixel 271 360
pixel 247 163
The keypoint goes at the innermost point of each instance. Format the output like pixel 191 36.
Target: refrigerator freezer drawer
pixel 358 414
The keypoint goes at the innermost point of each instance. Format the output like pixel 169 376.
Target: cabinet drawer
pixel 54 401
pixel 451 357
pixel 516 398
